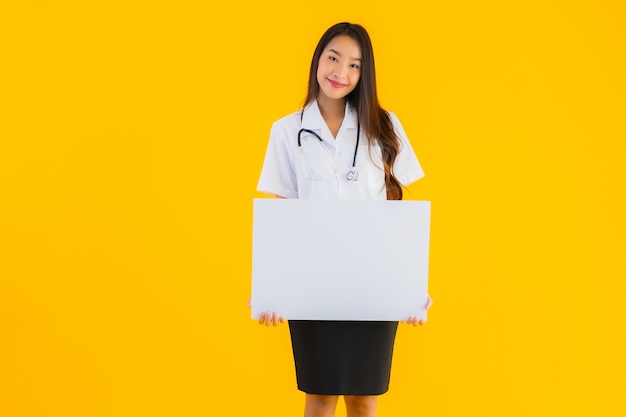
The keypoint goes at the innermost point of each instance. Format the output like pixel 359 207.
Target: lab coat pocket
pixel 316 162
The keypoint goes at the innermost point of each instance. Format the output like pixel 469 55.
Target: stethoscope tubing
pixel 352 174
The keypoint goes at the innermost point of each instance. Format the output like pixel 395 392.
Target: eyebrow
pixel 337 52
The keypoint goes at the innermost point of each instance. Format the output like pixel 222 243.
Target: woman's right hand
pixel 269 318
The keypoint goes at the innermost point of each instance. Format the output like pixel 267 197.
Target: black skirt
pixel 343 357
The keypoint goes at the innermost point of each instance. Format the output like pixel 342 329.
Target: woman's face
pixel 339 68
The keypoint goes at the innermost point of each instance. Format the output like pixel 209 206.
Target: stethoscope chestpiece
pixel 353 175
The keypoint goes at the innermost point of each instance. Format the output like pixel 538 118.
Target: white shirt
pixel 318 170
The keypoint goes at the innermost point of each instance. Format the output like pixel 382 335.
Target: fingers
pixel 414 321
pixel 270 318
pixel 265 318
pixel 276 319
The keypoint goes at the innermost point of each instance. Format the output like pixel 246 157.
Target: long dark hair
pixel 375 121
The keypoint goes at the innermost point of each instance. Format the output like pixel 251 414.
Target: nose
pixel 341 71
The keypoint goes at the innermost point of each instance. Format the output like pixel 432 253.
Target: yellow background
pixel 131 139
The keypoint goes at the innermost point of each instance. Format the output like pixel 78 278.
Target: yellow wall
pixel 131 139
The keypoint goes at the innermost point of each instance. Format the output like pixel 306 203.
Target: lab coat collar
pixel 312 118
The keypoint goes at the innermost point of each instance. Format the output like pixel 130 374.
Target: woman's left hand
pixel 414 320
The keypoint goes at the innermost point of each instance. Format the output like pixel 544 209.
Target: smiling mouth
pixel 336 84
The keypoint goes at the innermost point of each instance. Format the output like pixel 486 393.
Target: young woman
pixel 341 145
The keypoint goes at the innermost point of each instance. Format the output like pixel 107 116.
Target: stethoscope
pixel 353 174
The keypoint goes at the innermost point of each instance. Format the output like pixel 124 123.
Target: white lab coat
pixel 318 170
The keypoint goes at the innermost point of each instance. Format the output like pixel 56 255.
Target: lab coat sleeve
pixel 278 175
pixel 407 168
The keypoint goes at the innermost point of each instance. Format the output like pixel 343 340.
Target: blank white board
pixel 340 260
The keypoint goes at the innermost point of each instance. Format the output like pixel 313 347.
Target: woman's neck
pixel 332 112
pixel 330 109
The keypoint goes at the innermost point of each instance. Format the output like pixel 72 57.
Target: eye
pixel 332 58
pixel 355 66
